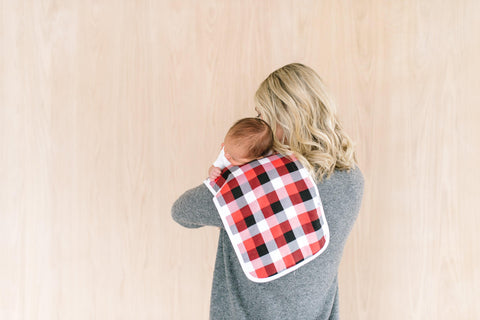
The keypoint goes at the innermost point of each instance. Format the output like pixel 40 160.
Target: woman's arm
pixel 195 209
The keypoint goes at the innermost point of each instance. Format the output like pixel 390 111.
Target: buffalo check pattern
pixel 273 214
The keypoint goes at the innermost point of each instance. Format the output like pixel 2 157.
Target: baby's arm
pixel 217 167
pixel 214 172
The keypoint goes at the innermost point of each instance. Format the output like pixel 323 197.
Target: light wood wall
pixel 109 110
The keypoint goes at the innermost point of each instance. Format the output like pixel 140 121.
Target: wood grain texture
pixel 110 110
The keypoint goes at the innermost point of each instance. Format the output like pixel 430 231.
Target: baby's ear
pixel 223 144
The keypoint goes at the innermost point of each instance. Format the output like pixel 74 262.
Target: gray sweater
pixel 310 292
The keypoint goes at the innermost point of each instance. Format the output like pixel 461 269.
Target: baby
pixel 248 139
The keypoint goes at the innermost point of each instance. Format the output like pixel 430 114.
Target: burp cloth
pixel 273 214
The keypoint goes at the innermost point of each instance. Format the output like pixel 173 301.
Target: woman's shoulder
pixel 345 182
pixel 352 176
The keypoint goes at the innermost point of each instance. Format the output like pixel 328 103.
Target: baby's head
pixel 248 139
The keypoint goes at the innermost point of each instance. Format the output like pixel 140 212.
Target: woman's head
pixel 294 101
pixel 248 139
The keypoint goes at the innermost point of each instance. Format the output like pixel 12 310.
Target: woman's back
pixel 310 292
pixel 294 102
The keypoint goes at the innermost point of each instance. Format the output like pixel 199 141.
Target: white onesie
pixel 221 161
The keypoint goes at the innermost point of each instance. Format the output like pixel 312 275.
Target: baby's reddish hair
pixel 255 133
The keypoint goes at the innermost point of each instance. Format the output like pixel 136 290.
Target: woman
pixel 294 102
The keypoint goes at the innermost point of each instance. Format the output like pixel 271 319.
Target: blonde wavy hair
pixel 295 98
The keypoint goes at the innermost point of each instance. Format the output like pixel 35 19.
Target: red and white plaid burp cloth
pixel 273 214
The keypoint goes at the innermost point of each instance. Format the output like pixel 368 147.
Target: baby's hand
pixel 213 173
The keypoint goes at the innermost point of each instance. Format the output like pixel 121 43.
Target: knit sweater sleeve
pixel 195 209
